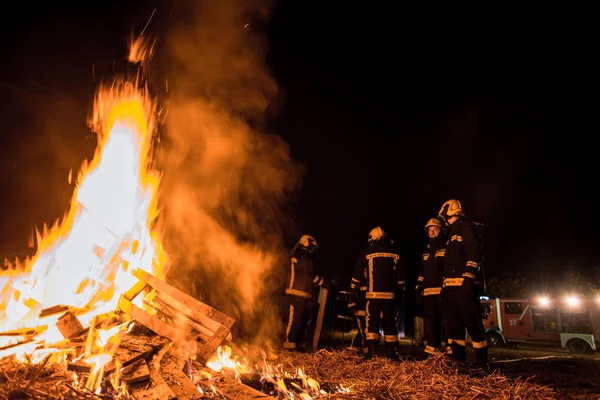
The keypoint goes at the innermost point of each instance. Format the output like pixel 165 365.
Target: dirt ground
pixel 574 376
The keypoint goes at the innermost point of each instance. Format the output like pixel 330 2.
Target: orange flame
pixel 86 261
pixel 307 388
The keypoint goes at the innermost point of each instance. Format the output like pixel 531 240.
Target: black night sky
pixel 392 112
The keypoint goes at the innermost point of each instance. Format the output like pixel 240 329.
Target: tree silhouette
pixel 513 286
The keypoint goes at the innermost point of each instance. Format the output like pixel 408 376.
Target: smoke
pixel 225 183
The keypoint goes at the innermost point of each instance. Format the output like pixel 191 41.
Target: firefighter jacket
pixel 381 268
pixel 431 273
pixel 302 276
pixel 464 253
pixel 357 297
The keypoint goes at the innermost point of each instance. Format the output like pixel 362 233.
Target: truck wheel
pixel 579 346
pixel 494 339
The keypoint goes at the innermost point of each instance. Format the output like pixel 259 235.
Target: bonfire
pixel 91 316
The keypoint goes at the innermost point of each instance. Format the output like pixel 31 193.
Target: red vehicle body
pixel 575 327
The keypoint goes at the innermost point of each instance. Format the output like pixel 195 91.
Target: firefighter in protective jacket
pixel 429 285
pixel 462 278
pixel 299 292
pixel 382 268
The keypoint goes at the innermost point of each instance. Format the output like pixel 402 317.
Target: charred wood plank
pixel 136 373
pixel 160 390
pixel 231 388
pixel 124 355
pixel 171 370
pixel 68 325
pixel 53 310
pixel 25 331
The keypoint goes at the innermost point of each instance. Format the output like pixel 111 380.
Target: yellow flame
pixel 222 362
pixel 86 261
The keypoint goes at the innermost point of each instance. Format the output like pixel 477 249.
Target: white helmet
pixel 376 234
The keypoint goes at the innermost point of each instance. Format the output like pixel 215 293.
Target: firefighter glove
pixel 419 296
pixel 353 295
pixel 352 306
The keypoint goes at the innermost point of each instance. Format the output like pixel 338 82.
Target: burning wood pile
pixel 117 358
pixel 69 315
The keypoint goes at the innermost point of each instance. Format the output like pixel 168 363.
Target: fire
pixel 85 262
pixel 300 385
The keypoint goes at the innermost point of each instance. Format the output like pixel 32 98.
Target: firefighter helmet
pixel 434 222
pixel 308 242
pixel 451 208
pixel 376 234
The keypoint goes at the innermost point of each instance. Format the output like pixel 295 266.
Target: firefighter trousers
pixel 463 312
pixel 381 311
pixel 432 317
pixel 297 315
pixel 360 316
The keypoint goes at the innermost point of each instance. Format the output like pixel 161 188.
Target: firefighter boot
pixel 459 353
pixel 391 351
pixel 481 359
pixel 371 350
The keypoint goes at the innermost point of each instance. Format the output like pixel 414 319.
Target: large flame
pixel 86 261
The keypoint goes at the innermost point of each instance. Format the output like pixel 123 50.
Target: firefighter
pixel 382 269
pixel 429 285
pixel 462 275
pixel 298 298
pixel 357 306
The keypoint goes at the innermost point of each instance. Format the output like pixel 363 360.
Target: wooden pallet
pixel 177 316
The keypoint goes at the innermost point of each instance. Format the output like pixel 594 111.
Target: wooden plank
pixel 25 331
pixel 135 290
pixel 206 351
pixel 158 392
pixel 230 388
pixel 319 324
pixel 151 322
pixel 136 373
pixel 172 372
pixel 193 308
pixel 204 332
pixel 53 310
pixel 124 355
pixel 192 315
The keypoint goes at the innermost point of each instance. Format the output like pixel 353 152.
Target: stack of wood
pixel 152 358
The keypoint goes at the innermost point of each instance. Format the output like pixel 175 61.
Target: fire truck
pixel 570 323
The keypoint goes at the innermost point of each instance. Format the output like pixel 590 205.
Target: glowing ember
pixel 289 384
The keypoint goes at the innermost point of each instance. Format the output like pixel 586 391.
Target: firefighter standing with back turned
pixel 381 266
pixel 298 294
pixel 429 285
pixel 462 275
